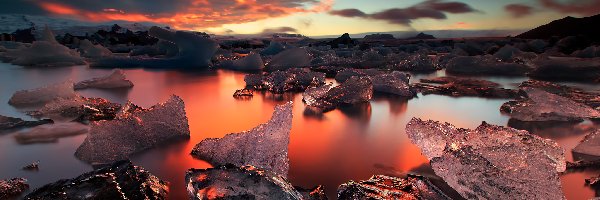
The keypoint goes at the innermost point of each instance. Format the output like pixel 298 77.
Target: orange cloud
pixel 198 14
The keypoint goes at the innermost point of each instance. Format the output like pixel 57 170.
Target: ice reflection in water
pixel 353 142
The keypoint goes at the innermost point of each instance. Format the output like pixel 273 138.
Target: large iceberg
pixel 491 162
pixel 121 180
pixel 195 51
pixel 387 187
pixel 43 94
pixel 290 58
pixel 133 130
pixel 45 52
pixel 89 50
pixel 265 146
pixel 251 62
pixel 116 79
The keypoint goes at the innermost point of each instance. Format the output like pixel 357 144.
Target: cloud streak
pixel 582 7
pixel 430 9
pixel 518 10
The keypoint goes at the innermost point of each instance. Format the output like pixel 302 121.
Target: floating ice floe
pixel 121 180
pixel 116 79
pixel 265 146
pixel 43 94
pixel 45 52
pixel 396 83
pixel 251 62
pixel 387 187
pixel 484 65
pixel 11 188
pixel 591 99
pixel 456 86
pixel 491 162
pixel 133 130
pixel 290 58
pixel 354 90
pixel 539 105
pixel 566 69
pixel 589 148
pixel 78 108
pixel 195 51
pixel 50 132
pixel 345 74
pixel 89 50
pixel 246 182
pixel 7 123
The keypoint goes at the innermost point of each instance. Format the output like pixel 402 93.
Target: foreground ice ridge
pixel 491 162
pixel 265 146
pixel 43 94
pixel 121 180
pixel 12 187
pixel 246 182
pixel 116 79
pixel 45 52
pixel 133 130
pixel 387 187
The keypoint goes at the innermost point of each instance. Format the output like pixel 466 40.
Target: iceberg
pixel 78 108
pixel 354 90
pixel 251 62
pixel 290 58
pixel 89 50
pixel 43 94
pixel 116 79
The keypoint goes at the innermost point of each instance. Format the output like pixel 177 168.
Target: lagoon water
pixel 350 143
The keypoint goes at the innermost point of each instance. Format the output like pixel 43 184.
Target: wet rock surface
pixel 50 132
pixel 231 182
pixel 265 146
pixel 133 130
pixel 121 180
pixel 116 79
pixel 12 187
pixel 7 123
pixel 354 90
pixel 387 187
pixel 457 86
pixel 538 105
pixel 491 162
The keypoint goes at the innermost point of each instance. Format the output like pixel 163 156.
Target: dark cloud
pixel 283 29
pixel 582 7
pixel 518 10
pixel 432 9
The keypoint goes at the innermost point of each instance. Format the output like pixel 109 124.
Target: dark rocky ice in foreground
pixel 121 180
pixel 265 146
pixel 491 162
pixel 133 130
pixel 12 187
pixel 7 123
pixel 387 187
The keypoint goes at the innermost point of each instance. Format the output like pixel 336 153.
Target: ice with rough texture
pixel 591 99
pixel 418 62
pixel 491 162
pixel 12 187
pixel 273 48
pixel 539 105
pixel 265 146
pixel 484 65
pixel 116 79
pixel 251 62
pixel 457 86
pixel 89 50
pixel 50 132
pixel 291 80
pixel 133 130
pixel 79 108
pixel 12 122
pixel 121 180
pixel 311 95
pixel 387 187
pixel 45 52
pixel 232 182
pixel 290 58
pixel 345 74
pixel 589 147
pixel 195 51
pixel 394 83
pixel 354 90
pixel 43 94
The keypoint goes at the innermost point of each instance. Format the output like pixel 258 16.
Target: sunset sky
pixel 313 17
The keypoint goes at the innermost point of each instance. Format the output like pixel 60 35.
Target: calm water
pixel 351 143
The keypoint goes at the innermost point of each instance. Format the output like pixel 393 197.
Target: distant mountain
pixel 438 33
pixel 588 27
pixel 422 36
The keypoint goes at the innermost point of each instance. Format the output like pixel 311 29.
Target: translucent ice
pixel 89 50
pixel 133 130
pixel 116 79
pixel 231 182
pixel 311 95
pixel 50 132
pixel 393 83
pixel 43 94
pixel 387 187
pixel 265 146
pixel 491 162
pixel 195 51
pixel 46 52
pixel 12 187
pixel 290 58
pixel 354 90
pixel 121 180
pixel 251 62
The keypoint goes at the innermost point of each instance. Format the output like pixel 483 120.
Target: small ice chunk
pixel 345 74
pixel 80 108
pixel 265 146
pixel 133 130
pixel 393 83
pixel 121 180
pixel 354 90
pixel 46 52
pixel 589 147
pixel 491 162
pixel 290 58
pixel 232 182
pixel 11 188
pixel 311 95
pixel 251 62
pixel 457 86
pixel 90 50
pixel 12 123
pixel 116 79
pixel 50 132
pixel 507 52
pixel 387 187
pixel 43 94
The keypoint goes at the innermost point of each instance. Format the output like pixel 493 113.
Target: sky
pixel 313 17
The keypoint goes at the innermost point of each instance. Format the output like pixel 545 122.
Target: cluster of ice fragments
pixel 265 146
pixel 491 162
pixel 12 187
pixel 133 130
pixel 387 187
pixel 291 80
